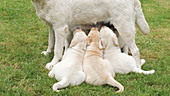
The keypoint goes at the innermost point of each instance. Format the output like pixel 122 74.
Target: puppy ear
pixel 89 40
pixel 115 40
pixel 101 44
pixel 73 43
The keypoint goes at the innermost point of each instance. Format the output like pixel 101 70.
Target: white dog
pixel 121 62
pixel 98 70
pixel 69 70
pixel 61 14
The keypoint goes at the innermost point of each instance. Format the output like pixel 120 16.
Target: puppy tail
pixel 140 19
pixel 115 83
pixel 137 70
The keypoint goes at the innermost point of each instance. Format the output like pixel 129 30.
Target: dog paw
pixel 55 87
pixel 51 74
pixel 142 61
pixel 49 66
pixel 45 53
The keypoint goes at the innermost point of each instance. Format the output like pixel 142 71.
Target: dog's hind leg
pixel 125 49
pixel 137 70
pixel 127 33
pixel 79 78
pixel 122 45
pixel 62 84
pixel 111 81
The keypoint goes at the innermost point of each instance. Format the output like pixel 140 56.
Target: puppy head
pixel 94 36
pixel 107 34
pixel 79 38
pixel 76 31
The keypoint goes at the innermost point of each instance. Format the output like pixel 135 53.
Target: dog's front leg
pixel 60 35
pixel 51 40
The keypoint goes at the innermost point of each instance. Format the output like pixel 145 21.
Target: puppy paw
pixel 58 90
pixel 45 53
pixel 142 61
pixel 51 74
pixel 55 87
pixel 49 66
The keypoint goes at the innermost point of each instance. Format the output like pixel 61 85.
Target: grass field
pixel 23 37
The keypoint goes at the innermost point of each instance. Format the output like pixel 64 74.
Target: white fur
pixel 121 62
pixel 69 70
pixel 98 70
pixel 60 14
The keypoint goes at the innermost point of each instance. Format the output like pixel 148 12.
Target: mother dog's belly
pixel 91 18
pixel 83 12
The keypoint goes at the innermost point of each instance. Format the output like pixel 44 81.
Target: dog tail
pixel 137 70
pixel 140 19
pixel 115 83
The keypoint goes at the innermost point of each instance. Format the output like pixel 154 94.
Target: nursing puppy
pixel 98 70
pixel 121 62
pixel 69 70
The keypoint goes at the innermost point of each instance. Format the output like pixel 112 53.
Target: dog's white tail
pixel 140 19
pixel 113 82
pixel 137 70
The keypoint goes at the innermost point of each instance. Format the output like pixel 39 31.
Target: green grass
pixel 23 36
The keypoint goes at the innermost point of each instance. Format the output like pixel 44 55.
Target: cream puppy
pixel 69 71
pixel 121 62
pixel 98 70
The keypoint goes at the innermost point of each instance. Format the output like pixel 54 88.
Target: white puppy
pixel 98 70
pixel 121 62
pixel 69 70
